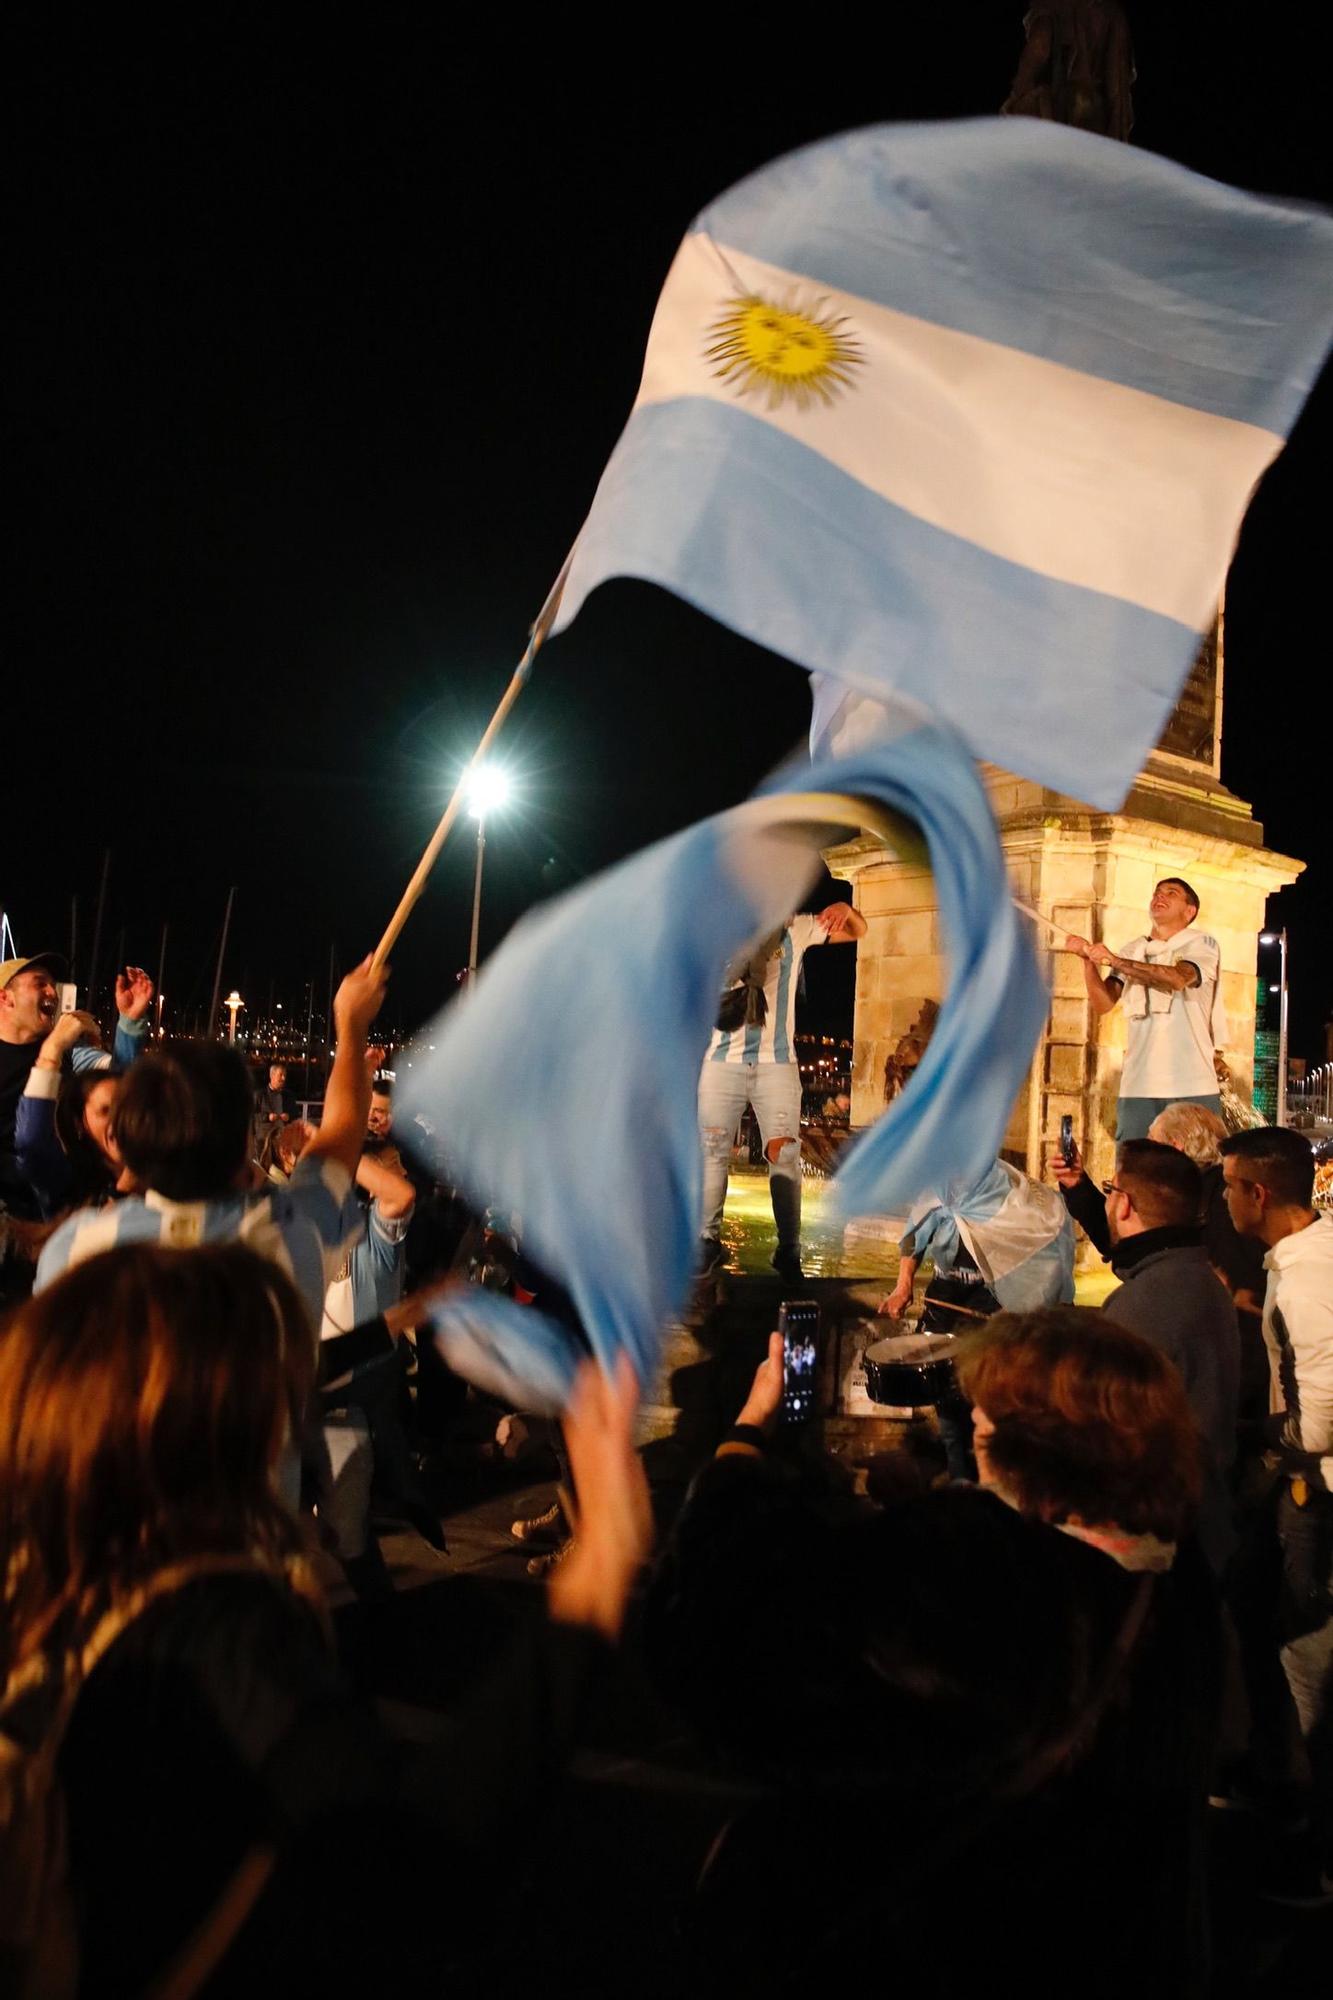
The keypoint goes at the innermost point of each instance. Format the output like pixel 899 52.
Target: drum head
pixel 913 1349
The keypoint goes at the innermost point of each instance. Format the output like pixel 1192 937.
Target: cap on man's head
pixel 10 968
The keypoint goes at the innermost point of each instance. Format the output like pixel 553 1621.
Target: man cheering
pixel 1170 979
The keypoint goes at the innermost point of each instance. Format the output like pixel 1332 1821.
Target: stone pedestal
pixel 1092 873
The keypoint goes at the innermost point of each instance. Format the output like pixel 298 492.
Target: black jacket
pixel 1174 1298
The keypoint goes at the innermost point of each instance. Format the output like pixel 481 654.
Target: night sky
pixel 318 347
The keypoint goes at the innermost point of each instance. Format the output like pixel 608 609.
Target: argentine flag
pixel 970 413
pixel 1017 1232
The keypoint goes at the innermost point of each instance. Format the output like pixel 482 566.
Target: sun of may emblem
pixel 782 354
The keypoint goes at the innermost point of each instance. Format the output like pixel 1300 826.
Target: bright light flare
pixel 488 788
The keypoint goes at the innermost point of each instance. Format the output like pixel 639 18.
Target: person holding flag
pixel 962 419
pixel 1170 978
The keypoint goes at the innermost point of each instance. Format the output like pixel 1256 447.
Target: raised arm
pixel 1102 993
pixel 134 1006
pixel 391 1191
pixel 1131 972
pixel 342 1130
pixel 842 924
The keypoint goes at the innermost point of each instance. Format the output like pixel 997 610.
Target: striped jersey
pixel 774 1040
pixel 304 1228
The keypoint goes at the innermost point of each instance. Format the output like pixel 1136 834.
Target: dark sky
pixel 318 348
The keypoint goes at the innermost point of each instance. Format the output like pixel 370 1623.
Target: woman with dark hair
pixel 66 1145
pixel 162 1639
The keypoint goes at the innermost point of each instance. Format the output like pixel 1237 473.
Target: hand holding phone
pixel 798 1323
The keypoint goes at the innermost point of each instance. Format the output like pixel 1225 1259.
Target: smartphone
pixel 798 1323
pixel 1067 1146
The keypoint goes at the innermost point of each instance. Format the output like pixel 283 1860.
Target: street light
pixel 233 1003
pixel 1280 938
pixel 488 788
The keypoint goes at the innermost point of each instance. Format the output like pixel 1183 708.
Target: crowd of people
pixel 1018 1681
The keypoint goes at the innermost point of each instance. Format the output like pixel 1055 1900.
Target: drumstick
pixel 943 1305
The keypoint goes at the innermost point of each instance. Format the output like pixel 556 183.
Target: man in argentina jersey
pixel 755 1063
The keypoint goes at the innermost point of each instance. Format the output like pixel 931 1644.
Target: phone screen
pixel 798 1323
pixel 1067 1139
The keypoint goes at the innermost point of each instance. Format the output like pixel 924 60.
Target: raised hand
pixel 69 1030
pixel 359 999
pixel 614 1531
pixel 134 993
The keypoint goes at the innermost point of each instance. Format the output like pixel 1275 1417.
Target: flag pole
pixel 1038 918
pixel 421 874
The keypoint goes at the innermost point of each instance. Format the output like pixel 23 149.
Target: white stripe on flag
pixel 1078 479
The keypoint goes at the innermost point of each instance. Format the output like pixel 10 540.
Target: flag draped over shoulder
pixel 1017 1232
pixel 563 1087
pixel 970 412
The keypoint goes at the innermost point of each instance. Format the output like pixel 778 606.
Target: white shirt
pixel 1298 1333
pixel 775 1039
pixel 1171 1035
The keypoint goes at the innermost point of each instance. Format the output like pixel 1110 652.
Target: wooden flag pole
pixel 421 875
pixel 1038 918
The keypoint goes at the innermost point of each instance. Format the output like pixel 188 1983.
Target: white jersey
pixel 775 1039
pixel 1172 1036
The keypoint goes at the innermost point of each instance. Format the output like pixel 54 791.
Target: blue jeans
pixel 1135 1114
pixel 774 1089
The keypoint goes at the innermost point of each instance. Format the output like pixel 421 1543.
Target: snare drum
pixel 911 1370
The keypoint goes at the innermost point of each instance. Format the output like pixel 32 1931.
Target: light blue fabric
pixel 303 1227
pixel 603 1003
pixel 773 540
pixel 1084 252
pixel 377 1265
pixel 1044 1279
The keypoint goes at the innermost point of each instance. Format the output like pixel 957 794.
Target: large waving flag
pixel 563 1088
pixel 963 418
pixel 970 412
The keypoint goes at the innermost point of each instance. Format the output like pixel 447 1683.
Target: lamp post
pixel 1280 938
pixel 489 787
pixel 233 1003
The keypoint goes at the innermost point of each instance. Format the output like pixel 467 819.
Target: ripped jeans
pixel 774 1089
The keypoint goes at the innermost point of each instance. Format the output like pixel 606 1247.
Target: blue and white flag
pixel 1017 1232
pixel 563 1087
pixel 970 412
